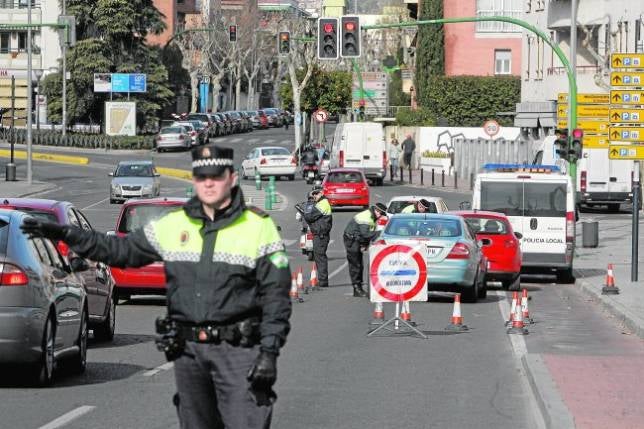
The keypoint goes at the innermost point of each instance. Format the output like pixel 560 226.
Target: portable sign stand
pixel 398 274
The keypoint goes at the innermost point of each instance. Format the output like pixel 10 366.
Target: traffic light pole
pixel 356 67
pixel 572 82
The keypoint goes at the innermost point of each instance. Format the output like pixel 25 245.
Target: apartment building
pixel 174 15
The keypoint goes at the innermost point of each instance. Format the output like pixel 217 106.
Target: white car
pixel 269 161
pixel 397 204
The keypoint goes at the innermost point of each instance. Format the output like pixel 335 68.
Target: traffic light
pixel 576 145
pixel 232 33
pixel 350 42
pixel 361 111
pixel 284 43
pixel 561 144
pixel 328 38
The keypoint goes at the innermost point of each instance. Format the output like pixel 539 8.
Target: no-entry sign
pixel 398 273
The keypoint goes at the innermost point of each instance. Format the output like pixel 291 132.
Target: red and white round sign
pixel 491 128
pixel 398 273
pixel 321 115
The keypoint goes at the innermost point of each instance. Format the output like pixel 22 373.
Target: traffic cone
pixel 456 323
pixel 405 313
pixel 294 293
pixel 303 241
pixel 314 277
pixel 378 316
pixel 610 288
pixel 299 279
pixel 525 313
pixel 515 300
pixel 517 323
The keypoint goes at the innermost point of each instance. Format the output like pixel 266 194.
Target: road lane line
pixel 166 366
pixel 338 270
pixel 95 204
pixel 68 417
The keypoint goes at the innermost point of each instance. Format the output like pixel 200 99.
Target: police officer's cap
pixel 380 207
pixel 316 190
pixel 211 160
pixel 423 202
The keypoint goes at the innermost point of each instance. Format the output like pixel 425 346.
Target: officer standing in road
pixel 420 206
pixel 318 217
pixel 228 304
pixel 357 235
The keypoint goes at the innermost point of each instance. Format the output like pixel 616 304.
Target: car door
pixel 97 278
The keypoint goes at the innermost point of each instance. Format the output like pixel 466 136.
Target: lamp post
pixel 38 73
pixel 29 94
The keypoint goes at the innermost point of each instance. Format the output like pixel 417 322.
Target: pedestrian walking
pixel 227 300
pixel 408 147
pixel 357 236
pixel 420 206
pixel 394 154
pixel 286 118
pixel 318 216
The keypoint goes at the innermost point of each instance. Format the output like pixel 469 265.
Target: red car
pixel 150 279
pixel 504 253
pixel 96 276
pixel 346 187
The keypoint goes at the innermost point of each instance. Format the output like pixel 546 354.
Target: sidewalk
pixel 20 188
pixel 423 179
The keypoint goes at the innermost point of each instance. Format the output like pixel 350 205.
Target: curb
pixel 175 172
pixel 63 159
pixel 631 320
pixel 553 410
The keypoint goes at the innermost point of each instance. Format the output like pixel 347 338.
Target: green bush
pixel 435 154
pixel 420 117
pixel 468 101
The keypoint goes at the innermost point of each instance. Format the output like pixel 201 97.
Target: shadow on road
pixel 121 340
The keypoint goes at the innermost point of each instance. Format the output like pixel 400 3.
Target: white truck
pixel 360 145
pixel 600 181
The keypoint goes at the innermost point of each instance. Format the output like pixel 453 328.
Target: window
pixel 509 8
pixel 502 61
pixel 398 206
pixel 5 43
pixel 22 41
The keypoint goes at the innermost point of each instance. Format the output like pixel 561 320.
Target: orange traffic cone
pixel 515 302
pixel 456 323
pixel 314 277
pixel 294 293
pixel 610 288
pixel 524 308
pixel 405 313
pixel 517 323
pixel 378 314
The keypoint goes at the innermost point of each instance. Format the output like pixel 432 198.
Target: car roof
pixel 271 147
pixel 34 203
pixel 136 162
pixel 414 198
pixel 345 170
pixel 164 201
pixel 479 213
pixel 425 216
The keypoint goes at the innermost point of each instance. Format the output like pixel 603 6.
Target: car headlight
pixel 147 188
pixel 116 188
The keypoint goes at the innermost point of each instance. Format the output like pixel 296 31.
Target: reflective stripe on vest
pixel 365 218
pixel 324 207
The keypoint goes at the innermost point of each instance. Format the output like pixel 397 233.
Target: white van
pixel 360 145
pixel 539 202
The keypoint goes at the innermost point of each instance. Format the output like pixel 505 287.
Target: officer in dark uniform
pixel 420 206
pixel 318 217
pixel 228 303
pixel 357 235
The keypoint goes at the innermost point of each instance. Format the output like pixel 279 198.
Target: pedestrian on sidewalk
pixel 394 154
pixel 228 283
pixel 408 147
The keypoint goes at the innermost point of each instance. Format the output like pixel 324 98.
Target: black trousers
pixel 320 244
pixel 354 258
pixel 212 390
pixel 407 159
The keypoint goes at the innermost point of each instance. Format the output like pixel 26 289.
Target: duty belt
pixel 244 333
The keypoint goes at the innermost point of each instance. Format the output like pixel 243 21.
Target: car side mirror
pixel 484 242
pixel 518 235
pixel 78 264
pixel 110 233
pixel 465 205
pixel 110 174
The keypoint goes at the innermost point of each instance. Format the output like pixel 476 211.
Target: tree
pixel 430 50
pixel 328 90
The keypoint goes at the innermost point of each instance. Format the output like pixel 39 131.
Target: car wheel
pixel 244 175
pixel 513 284
pixel 105 331
pixel 482 288
pixel 310 256
pixel 46 366
pixel 79 362
pixel 291 177
pixel 471 294
pixel 112 201
pixel 565 276
pixel 613 208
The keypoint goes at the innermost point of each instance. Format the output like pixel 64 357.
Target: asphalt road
pixel 330 373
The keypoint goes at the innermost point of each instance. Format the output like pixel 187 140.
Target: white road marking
pixel 235 140
pixel 253 140
pixel 68 417
pixel 378 195
pixel 517 341
pixel 95 204
pixel 166 366
pixel 289 242
pixel 338 270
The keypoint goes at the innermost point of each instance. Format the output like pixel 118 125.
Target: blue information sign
pixel 126 82
pixel 138 82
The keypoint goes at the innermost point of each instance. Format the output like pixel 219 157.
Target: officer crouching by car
pixel 420 206
pixel 228 305
pixel 357 236
pixel 318 216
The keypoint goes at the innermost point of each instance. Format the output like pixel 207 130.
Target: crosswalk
pixel 256 140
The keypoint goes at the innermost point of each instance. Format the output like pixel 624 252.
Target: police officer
pixel 228 298
pixel 357 235
pixel 318 217
pixel 420 206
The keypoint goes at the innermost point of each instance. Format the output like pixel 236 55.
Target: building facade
pixel 174 16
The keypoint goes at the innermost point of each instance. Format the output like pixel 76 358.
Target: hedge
pixel 468 101
pixel 421 117
pixel 54 138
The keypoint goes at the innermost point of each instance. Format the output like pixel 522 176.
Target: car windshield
pixel 345 177
pixel 134 170
pixel 40 214
pixel 406 227
pixel 172 130
pixel 138 216
pixel 487 225
pixel 4 234
pixel 197 124
pixel 275 151
pixel 524 198
pixel 398 205
pixel 202 118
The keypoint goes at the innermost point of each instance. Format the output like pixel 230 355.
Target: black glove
pixel 262 376
pixel 39 228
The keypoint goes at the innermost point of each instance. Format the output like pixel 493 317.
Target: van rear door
pixel 354 145
pixel 544 216
pixel 596 169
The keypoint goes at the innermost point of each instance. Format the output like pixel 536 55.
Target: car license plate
pixel 433 251
pixel 344 191
pixel 310 174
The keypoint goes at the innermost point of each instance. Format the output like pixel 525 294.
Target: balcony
pixel 18 60
pixel 496 26
pixel 557 71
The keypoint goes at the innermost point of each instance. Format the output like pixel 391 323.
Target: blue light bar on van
pixel 521 168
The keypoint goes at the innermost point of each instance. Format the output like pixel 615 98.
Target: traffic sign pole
pixel 636 222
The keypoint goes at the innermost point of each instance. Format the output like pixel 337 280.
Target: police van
pixel 539 201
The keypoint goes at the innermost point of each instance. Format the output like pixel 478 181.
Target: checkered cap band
pixel 209 162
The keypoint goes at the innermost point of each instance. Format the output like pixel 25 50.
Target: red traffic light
pixel 284 36
pixel 350 26
pixel 328 28
pixel 232 28
pixel 577 133
pixel 361 102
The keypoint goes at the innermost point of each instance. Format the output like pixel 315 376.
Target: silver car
pixel 43 304
pixel 174 137
pixel 134 179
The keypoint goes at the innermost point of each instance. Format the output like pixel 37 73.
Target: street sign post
pixel 627 96
pixel 586 98
pixel 627 116
pixel 627 78
pixel 321 115
pixel 626 134
pixel 620 60
pixel 584 110
pixel 598 126
pixel 491 128
pixel 626 151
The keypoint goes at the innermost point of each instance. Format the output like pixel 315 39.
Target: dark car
pixel 217 125
pixel 203 117
pixel 97 278
pixel 274 117
pixel 43 306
